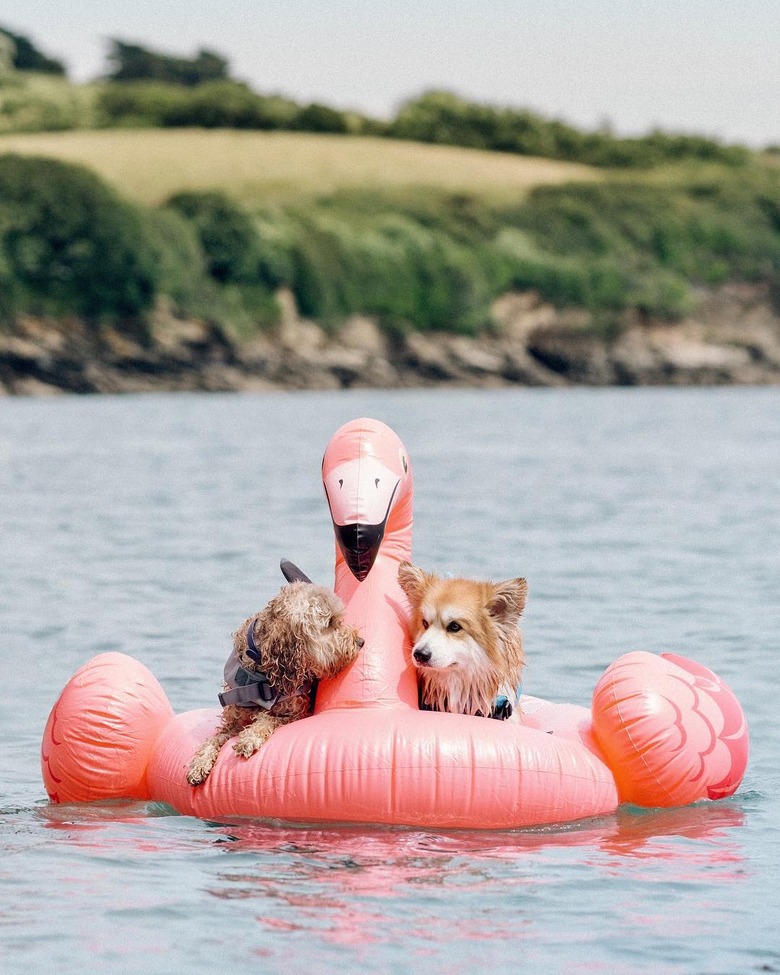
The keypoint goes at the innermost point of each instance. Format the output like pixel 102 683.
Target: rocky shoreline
pixel 732 337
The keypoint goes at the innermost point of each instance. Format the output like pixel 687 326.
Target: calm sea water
pixel 643 519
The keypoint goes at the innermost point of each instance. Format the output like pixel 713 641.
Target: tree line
pixel 148 88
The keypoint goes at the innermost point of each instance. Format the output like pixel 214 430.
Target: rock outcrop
pixel 733 336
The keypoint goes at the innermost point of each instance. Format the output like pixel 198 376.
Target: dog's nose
pixel 360 642
pixel 422 655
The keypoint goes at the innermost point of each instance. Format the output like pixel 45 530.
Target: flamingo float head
pixel 368 484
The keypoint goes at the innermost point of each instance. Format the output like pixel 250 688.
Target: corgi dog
pixel 467 645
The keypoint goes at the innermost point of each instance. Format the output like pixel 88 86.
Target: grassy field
pixel 149 165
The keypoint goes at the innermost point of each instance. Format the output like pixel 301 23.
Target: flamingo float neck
pixel 368 484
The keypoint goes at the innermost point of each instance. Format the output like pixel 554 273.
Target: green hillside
pixel 205 195
pixel 414 255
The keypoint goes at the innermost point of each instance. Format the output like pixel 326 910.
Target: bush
pixel 603 246
pixel 226 233
pixel 320 118
pixel 138 104
pixel 239 248
pixel 180 263
pixel 442 117
pixel 229 104
pixel 391 266
pixel 22 111
pixel 69 244
pixel 244 266
pixel 42 103
pixel 218 104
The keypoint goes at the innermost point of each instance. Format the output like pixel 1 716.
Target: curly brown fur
pixel 301 635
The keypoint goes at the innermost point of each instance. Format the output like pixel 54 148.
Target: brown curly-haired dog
pixel 277 655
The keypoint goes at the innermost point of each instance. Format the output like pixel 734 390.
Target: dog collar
pixel 252 650
pixel 502 708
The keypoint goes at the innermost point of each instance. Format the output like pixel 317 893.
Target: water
pixel 643 519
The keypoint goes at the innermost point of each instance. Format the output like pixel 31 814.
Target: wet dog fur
pixel 301 636
pixel 467 648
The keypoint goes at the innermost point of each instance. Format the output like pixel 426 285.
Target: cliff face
pixel 733 336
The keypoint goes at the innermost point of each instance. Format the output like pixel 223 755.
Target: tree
pixel 131 62
pixel 26 57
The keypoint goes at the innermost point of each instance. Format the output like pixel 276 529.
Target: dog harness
pixel 251 688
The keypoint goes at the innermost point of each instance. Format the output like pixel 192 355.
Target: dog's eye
pixel 425 624
pixel 454 627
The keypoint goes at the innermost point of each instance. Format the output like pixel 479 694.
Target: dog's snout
pixel 422 655
pixel 360 642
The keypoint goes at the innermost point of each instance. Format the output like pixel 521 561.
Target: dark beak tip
pixel 359 545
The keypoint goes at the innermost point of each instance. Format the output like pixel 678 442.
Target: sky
pixel 700 66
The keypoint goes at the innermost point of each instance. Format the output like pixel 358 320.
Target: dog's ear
pixel 507 600
pixel 308 607
pixel 412 580
pixel 321 612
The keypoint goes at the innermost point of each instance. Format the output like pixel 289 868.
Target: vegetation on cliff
pixel 412 259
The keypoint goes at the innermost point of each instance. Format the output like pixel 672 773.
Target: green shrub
pixel 244 309
pixel 180 264
pixel 658 239
pixel 138 104
pixel 276 230
pixel 662 294
pixel 69 244
pixel 414 259
pixel 216 104
pixel 321 118
pixel 243 267
pixel 229 104
pixel 238 247
pixel 408 275
pixel 226 232
pixel 442 117
pixel 42 103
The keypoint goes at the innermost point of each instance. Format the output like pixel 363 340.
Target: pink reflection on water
pixel 353 886
pixel 354 870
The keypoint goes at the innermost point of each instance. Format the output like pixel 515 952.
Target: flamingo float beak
pixel 360 496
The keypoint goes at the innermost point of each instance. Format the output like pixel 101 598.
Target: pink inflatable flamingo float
pixel 662 730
